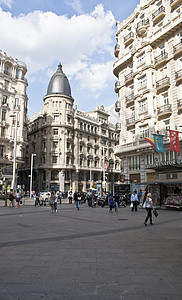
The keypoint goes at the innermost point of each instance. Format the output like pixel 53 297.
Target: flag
pixel 150 140
pixel 158 141
pixel 174 141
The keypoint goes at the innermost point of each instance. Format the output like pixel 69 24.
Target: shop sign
pixel 163 163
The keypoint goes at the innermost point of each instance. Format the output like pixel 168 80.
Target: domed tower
pixel 58 129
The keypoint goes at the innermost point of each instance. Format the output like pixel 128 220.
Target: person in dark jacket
pixel 11 198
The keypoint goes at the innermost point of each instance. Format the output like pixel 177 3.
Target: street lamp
pixel 90 173
pixel 32 156
pixel 111 165
pixel 14 157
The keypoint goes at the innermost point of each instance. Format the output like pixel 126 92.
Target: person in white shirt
pixel 149 207
pixel 134 200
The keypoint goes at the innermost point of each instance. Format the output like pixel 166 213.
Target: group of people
pixel 14 196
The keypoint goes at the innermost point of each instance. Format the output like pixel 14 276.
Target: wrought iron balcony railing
pixel 162 82
pixel 164 108
pixel 160 58
pixel 129 37
pixel 158 12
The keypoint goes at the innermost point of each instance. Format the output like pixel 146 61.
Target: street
pixel 89 254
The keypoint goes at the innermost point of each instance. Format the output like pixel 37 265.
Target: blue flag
pixel 158 141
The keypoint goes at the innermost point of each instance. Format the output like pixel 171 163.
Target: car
pixel 44 197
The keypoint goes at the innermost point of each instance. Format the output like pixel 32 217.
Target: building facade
pixel 149 88
pixel 72 147
pixel 13 110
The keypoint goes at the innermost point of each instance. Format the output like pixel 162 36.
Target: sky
pixel 81 34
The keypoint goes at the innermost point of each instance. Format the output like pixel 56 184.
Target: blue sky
pixel 78 33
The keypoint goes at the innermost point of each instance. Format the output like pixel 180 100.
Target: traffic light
pixel 106 176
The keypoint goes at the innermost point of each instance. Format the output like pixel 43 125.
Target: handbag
pixel 131 205
pixel 155 213
pixel 144 205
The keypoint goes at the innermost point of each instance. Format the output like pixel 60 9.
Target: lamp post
pixel 14 157
pixel 31 175
pixel 90 173
pixel 111 165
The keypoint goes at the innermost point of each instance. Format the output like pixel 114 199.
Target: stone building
pixel 13 110
pixel 149 88
pixel 72 147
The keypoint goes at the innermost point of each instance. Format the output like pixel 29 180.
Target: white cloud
pixel 75 5
pixel 42 38
pixel 7 3
pixel 95 76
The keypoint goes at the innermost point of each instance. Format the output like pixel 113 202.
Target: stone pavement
pixel 89 254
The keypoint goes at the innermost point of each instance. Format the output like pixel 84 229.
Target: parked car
pixel 44 197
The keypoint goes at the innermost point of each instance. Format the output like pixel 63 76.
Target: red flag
pixel 174 141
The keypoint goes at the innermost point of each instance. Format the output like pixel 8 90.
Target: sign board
pixel 103 184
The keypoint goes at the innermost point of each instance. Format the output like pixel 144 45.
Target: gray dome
pixel 59 83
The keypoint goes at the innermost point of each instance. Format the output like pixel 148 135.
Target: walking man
pixel 134 200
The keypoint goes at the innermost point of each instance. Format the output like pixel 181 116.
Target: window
pixel 165 99
pixel 96 163
pixel 167 125
pixel 142 82
pixel 1 152
pixel 54 175
pixel 56 117
pixel 162 48
pixel 5 98
pixel 3 115
pixel 144 131
pixel 88 163
pixel 54 159
pixel 134 162
pixel 80 136
pixel 81 148
pixel 16 103
pixel 88 138
pixel 141 59
pixel 103 131
pixel 67 160
pixel 6 70
pixel 55 131
pixel 133 135
pixel 54 145
pixel 2 132
pixel 95 140
pixel 143 107
pixel 69 120
pixel 17 74
pixel 149 159
pixel 67 105
pixel 88 150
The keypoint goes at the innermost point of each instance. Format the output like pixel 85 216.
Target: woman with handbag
pixel 149 207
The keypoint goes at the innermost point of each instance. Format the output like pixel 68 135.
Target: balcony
pixel 178 76
pixel 161 59
pixel 142 27
pixel 177 49
pixel 116 50
pixel 118 126
pixel 117 106
pixel 158 14
pixel 130 122
pixel 129 78
pixel 175 3
pixel 164 111
pixel 179 105
pixel 117 86
pixel 129 38
pixel 162 84
pixel 130 99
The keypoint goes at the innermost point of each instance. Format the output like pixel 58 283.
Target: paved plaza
pixel 89 254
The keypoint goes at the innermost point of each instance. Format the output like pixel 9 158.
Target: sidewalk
pixel 89 254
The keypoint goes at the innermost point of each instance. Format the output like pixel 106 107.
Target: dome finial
pixel 60 67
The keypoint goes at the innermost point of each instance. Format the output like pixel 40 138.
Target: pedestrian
pixel 140 195
pixel 149 208
pixel 52 198
pixel 37 201
pixel 76 195
pixel 11 198
pixel 134 200
pixel 18 198
pixel 116 199
pixel 56 202
pixel 70 196
pixel 110 202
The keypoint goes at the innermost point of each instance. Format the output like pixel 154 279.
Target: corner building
pixel 148 67
pixel 71 146
pixel 13 115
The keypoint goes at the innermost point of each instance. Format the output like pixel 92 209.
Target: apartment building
pixel 148 68
pixel 13 110
pixel 71 147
